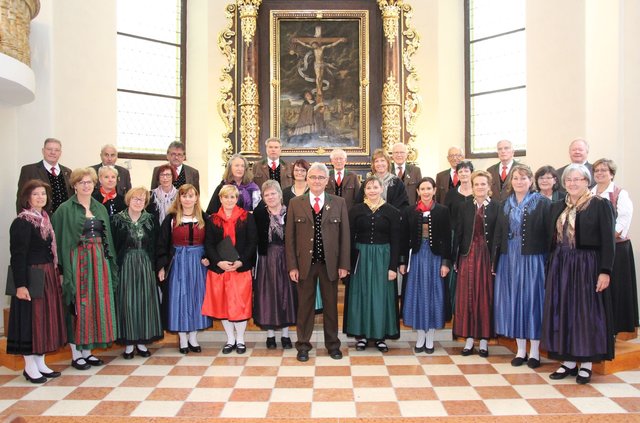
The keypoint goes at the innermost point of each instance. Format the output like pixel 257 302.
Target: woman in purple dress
pixel 577 324
pixel 275 295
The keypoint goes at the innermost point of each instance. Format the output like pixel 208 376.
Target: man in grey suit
pixel 317 245
pixel 408 173
pixel 183 174
pixel 448 179
pixel 50 171
pixel 500 171
pixel 342 183
pixel 108 157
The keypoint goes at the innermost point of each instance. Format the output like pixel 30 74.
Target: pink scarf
pixel 42 222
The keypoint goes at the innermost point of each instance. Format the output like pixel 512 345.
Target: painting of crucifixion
pixel 320 81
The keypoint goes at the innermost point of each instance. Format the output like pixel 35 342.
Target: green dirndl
pixel 372 310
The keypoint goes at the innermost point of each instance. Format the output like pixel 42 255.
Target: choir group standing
pixel 542 258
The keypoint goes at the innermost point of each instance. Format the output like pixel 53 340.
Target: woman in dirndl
pixel 138 309
pixel 427 237
pixel 182 265
pixel 85 249
pixel 522 244
pixel 577 323
pixel 371 306
pixel 229 290
pixel 473 244
pixel 275 295
pixel 36 325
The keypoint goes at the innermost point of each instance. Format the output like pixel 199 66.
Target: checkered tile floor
pixel 273 384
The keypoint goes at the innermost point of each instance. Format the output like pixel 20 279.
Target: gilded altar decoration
pixel 391 108
pixel 412 100
pixel 249 109
pixel 390 15
pixel 248 16
pixel 15 26
pixel 226 103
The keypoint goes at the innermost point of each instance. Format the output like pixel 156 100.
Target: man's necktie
pixel 273 166
pixel 455 178
pixel 339 178
pixel 503 175
pixel 53 171
pixel 400 172
pixel 316 206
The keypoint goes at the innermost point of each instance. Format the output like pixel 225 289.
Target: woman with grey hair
pixel 624 289
pixel 237 173
pixel 577 322
pixel 274 294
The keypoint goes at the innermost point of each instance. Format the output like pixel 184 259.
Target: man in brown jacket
pixel 317 243
pixel 342 183
pixel 273 167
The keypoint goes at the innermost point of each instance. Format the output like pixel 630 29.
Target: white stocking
pixel 182 336
pixel 535 349
pixel 469 344
pixel 587 365
pixel 42 366
pixel 31 367
pixel 431 334
pixel 228 328
pixel 240 328
pixel 285 332
pixel 75 354
pixel 193 338
pixel 420 339
pixel 522 347
pixel 484 344
pixel 271 333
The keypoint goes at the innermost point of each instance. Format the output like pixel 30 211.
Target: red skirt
pixel 228 296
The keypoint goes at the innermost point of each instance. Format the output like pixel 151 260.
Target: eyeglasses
pixel 317 178
pixel 455 156
pixel 574 180
pixel 138 199
pixel 166 175
pixel 176 154
pixel 601 170
pixel 85 183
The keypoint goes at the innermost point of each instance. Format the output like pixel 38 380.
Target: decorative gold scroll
pixel 248 16
pixel 226 103
pixel 412 100
pixel 390 15
pixel 249 118
pixel 391 108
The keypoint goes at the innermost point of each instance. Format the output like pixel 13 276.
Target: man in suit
pixel 408 173
pixel 273 167
pixel 578 154
pixel 49 171
pixel 500 171
pixel 183 174
pixel 317 245
pixel 448 179
pixel 342 183
pixel 108 157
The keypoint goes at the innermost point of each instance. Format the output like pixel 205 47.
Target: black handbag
pixel 227 251
pixel 35 282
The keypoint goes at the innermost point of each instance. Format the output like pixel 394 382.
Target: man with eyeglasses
pixel 409 174
pixel 108 157
pixel 48 170
pixel 317 245
pixel 273 167
pixel 183 174
pixel 342 183
pixel 448 179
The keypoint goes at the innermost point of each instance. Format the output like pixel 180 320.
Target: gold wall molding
pixel 249 116
pixel 391 116
pixel 15 27
pixel 226 102
pixel 248 16
pixel 390 16
pixel 412 99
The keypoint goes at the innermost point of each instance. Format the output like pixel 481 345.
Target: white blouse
pixel 624 208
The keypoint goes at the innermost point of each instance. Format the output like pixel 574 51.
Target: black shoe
pixel 194 348
pixel 466 351
pixel 80 366
pixel 418 349
pixel 241 348
pixel 533 363
pixel 429 350
pixel 271 343
pixel 286 343
pixel 183 350
pixel 51 375
pixel 94 361
pixel 361 344
pixel 583 379
pixel 483 353
pixel 519 361
pixel 143 353
pixel 228 348
pixel 303 356
pixel 127 356
pixel 40 379
pixel 335 354
pixel 561 375
pixel 382 346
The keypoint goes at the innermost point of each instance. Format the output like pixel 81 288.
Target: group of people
pixel 543 258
